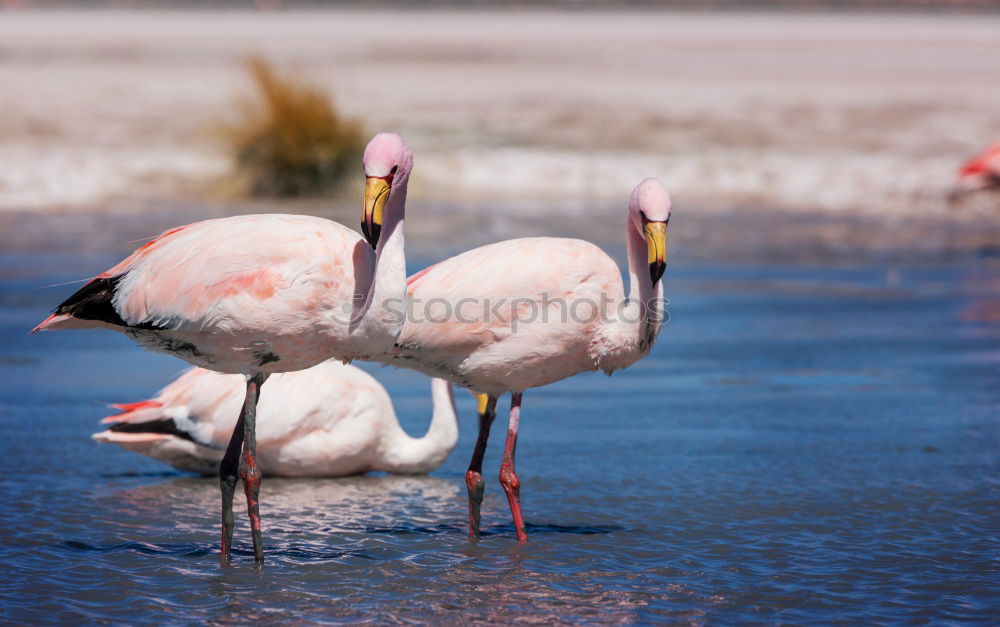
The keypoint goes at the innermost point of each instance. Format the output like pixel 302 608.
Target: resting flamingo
pixel 528 312
pixel 331 420
pixel 261 294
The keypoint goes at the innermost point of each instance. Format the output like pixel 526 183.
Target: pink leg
pixel 251 475
pixel 508 476
pixel 244 436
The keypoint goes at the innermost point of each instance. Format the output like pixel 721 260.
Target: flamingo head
pixel 387 164
pixel 649 212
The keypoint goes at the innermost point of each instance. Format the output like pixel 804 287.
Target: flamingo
pixel 524 313
pixel 331 420
pixel 981 172
pixel 261 294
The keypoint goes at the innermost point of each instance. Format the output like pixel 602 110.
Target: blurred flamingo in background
pixel 331 420
pixel 529 312
pixel 261 294
pixel 982 172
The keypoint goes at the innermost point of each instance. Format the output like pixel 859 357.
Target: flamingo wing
pixel 489 292
pixel 218 272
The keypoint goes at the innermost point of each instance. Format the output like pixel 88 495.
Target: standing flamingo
pixel 528 312
pixel 331 420
pixel 261 294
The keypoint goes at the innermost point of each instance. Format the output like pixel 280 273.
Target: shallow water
pixel 803 444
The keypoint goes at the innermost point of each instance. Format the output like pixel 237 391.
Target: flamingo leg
pixel 249 471
pixel 231 463
pixel 508 476
pixel 474 476
pixel 227 480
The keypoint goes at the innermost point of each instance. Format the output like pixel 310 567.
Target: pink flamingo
pixel 261 294
pixel 331 420
pixel 528 312
pixel 981 172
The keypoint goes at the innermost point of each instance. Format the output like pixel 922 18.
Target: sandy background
pixel 843 113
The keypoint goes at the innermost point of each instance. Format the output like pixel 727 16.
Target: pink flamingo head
pixel 387 155
pixel 387 163
pixel 649 210
pixel 650 201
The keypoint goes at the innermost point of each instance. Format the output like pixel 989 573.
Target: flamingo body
pixel 244 294
pixel 522 315
pixel 330 420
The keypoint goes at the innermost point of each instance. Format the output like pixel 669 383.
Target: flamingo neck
pixel 405 454
pixel 384 304
pixel 644 312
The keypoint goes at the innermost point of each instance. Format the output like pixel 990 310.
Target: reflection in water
pixel 329 505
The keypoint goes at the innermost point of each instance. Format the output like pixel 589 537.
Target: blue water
pixel 805 443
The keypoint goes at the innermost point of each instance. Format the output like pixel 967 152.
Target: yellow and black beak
pixel 656 244
pixel 376 194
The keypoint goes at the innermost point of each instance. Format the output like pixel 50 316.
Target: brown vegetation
pixel 288 138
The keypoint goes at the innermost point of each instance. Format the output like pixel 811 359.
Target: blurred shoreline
pixel 436 231
pixel 852 123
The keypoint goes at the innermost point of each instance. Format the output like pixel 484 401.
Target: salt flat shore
pixel 834 113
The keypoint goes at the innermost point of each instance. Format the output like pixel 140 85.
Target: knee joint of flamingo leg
pixel 475 484
pixel 228 482
pixel 508 478
pixel 251 475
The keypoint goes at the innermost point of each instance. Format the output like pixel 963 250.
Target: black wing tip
pixel 94 301
pixel 164 426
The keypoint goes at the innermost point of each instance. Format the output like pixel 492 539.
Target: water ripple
pixel 751 470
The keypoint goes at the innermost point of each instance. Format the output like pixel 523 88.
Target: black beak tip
pixel 371 233
pixel 656 270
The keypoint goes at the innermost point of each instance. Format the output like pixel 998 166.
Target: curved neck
pixel 381 314
pixel 408 455
pixel 644 312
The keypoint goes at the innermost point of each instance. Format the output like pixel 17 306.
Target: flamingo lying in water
pixel 331 420
pixel 529 312
pixel 261 294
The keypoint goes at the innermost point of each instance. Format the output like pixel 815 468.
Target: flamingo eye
pixel 394 169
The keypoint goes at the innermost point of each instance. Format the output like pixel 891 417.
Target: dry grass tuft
pixel 289 139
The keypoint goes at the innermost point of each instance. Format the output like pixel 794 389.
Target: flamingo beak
pixel 376 194
pixel 656 244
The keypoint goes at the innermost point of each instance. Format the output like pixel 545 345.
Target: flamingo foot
pixel 476 486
